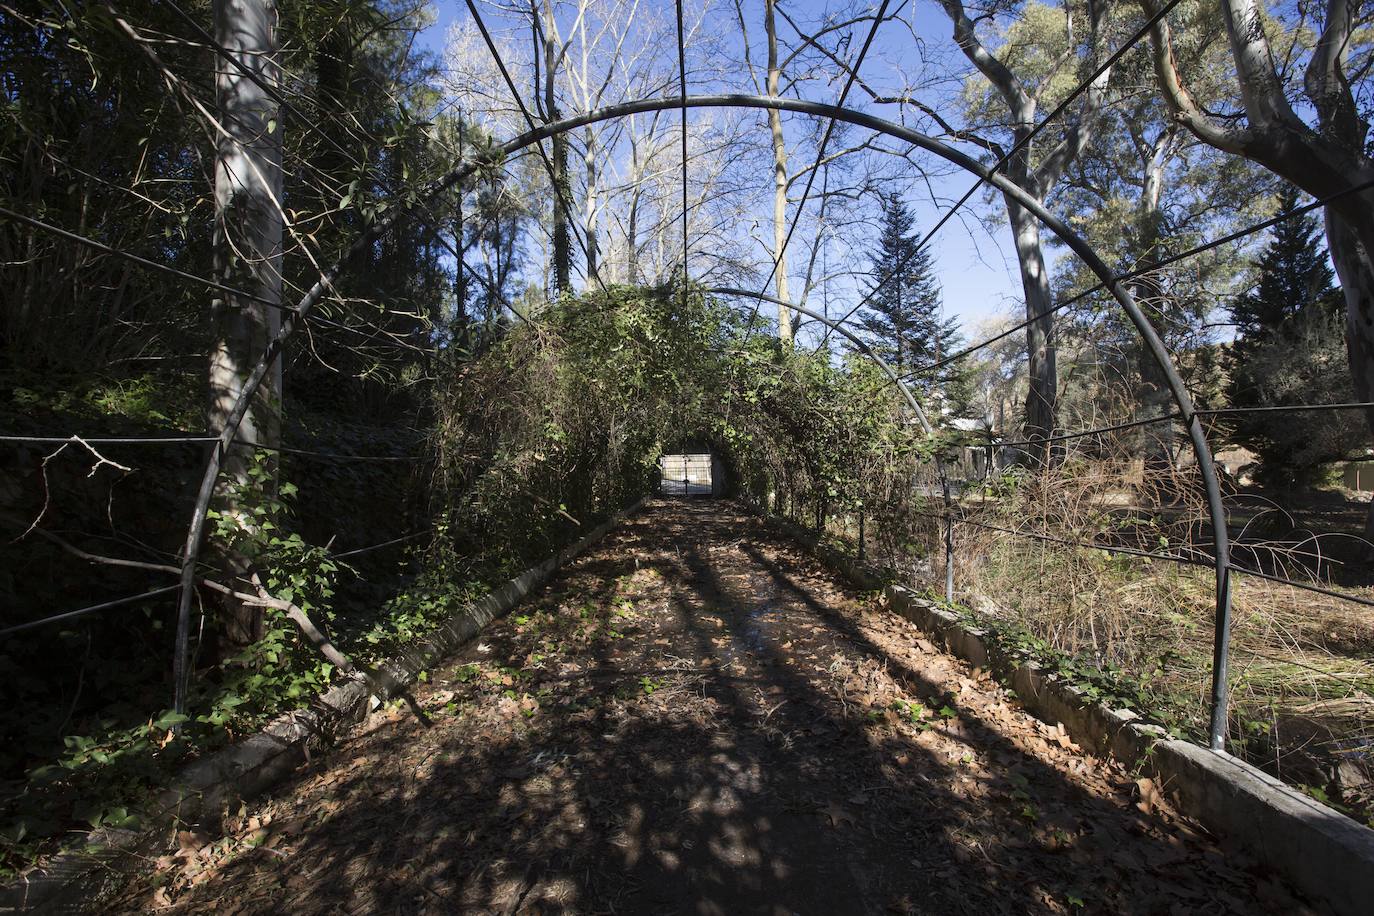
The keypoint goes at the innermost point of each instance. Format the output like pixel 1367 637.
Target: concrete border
pixel 1321 852
pixel 201 791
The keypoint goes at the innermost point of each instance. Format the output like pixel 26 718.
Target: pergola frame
pixel 1187 412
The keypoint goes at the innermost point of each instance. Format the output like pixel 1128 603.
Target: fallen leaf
pixel 838 815
pixel 1149 795
pixel 191 841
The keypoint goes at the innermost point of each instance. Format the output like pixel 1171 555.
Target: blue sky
pixel 976 266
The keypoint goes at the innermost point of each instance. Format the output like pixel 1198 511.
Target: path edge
pixel 200 792
pixel 1321 852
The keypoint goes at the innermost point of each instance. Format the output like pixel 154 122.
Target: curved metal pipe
pixel 1080 247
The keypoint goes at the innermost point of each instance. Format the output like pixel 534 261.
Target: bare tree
pixel 779 176
pixel 554 48
pixel 607 66
pixel 783 69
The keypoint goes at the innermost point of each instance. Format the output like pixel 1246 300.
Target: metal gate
pixel 685 475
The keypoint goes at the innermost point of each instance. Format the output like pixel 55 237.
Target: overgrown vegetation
pixel 1138 631
pixel 558 423
pixel 469 394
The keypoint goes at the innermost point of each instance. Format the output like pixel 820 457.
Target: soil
pixel 696 716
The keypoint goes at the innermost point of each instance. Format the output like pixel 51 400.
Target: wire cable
pixel 1285 408
pixel 198 440
pixel 529 119
pixel 1304 586
pixel 132 599
pixel 1116 427
pixel 1140 272
pixel 163 268
pixel 682 89
pixel 1128 551
pixel 825 141
pixel 781 254
pixel 1059 109
pixel 132 258
pixel 1150 555
pixel 362 550
pixel 118 602
pixel 353 130
pixel 1016 148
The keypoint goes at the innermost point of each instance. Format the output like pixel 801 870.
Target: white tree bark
pixel 1037 180
pixel 1154 398
pixel 779 177
pixel 248 255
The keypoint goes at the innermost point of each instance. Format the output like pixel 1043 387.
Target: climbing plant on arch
pixel 293 318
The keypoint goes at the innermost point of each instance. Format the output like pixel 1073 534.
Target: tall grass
pixel 1302 664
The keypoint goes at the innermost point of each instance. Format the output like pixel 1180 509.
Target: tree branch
pixel 996 72
pixel 1325 81
pixel 1081 130
pixel 1182 105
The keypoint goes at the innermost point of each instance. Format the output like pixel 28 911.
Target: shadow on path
pixel 695 717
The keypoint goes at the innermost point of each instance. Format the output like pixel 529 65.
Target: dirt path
pixel 695 717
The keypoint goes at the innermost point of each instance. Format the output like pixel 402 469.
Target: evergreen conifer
pixel 903 321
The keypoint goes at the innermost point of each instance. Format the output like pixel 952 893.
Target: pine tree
pixel 1293 276
pixel 1290 350
pixel 903 321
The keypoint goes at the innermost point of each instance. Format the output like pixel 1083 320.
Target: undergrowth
pixel 527 441
pixel 106 765
pixel 1138 631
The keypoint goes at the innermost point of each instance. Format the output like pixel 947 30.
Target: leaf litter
pixel 696 715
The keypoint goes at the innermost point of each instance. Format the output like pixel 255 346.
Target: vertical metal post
pixel 949 545
pixel 1221 639
pixel 861 534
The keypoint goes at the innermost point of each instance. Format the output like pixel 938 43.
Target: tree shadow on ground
pixel 724 753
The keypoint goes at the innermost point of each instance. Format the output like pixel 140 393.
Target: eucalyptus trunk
pixel 1153 399
pixel 1042 393
pixel 590 163
pixel 562 251
pixel 779 179
pixel 248 257
pixel 1329 160
pixel 1037 179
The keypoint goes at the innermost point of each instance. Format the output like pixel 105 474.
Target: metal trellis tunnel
pixel 1186 413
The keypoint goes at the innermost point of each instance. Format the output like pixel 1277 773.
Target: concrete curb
pixel 202 790
pixel 1321 852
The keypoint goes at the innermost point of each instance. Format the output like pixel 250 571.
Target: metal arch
pixel 1071 239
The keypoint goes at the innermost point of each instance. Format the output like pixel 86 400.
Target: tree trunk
pixel 1154 398
pixel 562 252
pixel 1043 391
pixel 779 179
pixel 248 257
pixel 632 241
pixel 461 318
pixel 589 210
pixel 1041 398
pixel 1351 247
pixel 1326 161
